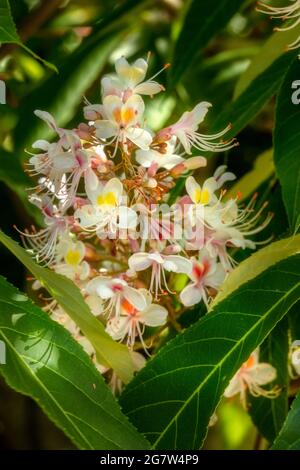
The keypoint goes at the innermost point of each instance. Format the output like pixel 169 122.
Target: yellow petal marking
pixel 108 199
pixel 73 257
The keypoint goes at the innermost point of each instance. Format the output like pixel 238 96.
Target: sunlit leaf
pixel 273 48
pixel 69 297
pixel 44 362
pixel 263 168
pixel 257 263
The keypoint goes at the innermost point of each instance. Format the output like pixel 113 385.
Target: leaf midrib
pixel 214 370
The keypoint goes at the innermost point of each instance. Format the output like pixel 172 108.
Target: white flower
pixel 251 376
pixel 114 292
pixel 204 195
pixel 105 210
pixel 185 129
pixel 131 322
pixel 122 121
pixel 130 80
pixel 43 243
pixel 206 273
pixel 159 263
pixel 72 254
pixel 167 159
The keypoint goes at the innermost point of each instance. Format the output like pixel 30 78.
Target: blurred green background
pixel 82 38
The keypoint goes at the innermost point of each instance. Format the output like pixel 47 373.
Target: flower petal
pixel 106 129
pixel 140 137
pixel 191 295
pixel 235 386
pixel 193 189
pixel 148 88
pixel 262 373
pixel 154 315
pixel 178 264
pixel 134 297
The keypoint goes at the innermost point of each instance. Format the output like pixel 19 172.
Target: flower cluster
pixel 104 190
pixel 289 13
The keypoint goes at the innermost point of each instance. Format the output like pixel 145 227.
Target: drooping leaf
pixel 44 362
pixel 244 109
pixel 69 297
pixel 269 414
pixel 287 145
pixel 172 399
pixel 202 22
pixel 9 35
pixel 257 263
pixel 289 436
pixel 263 168
pixel 273 48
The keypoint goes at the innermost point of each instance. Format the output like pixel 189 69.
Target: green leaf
pixel 9 35
pixel 273 48
pixel 44 362
pixel 289 436
pixel 8 32
pixel 257 263
pixel 244 109
pixel 62 289
pixel 172 399
pixel 263 168
pixel 202 22
pixel 269 415
pixel 287 145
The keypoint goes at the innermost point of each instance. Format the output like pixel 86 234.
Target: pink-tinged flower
pixel 130 80
pixel 63 163
pixel 231 226
pixel 250 377
pixel 159 263
pixel 206 273
pixel 43 243
pixel 132 322
pixel 122 122
pixel 186 132
pixel 113 292
pixel 290 12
